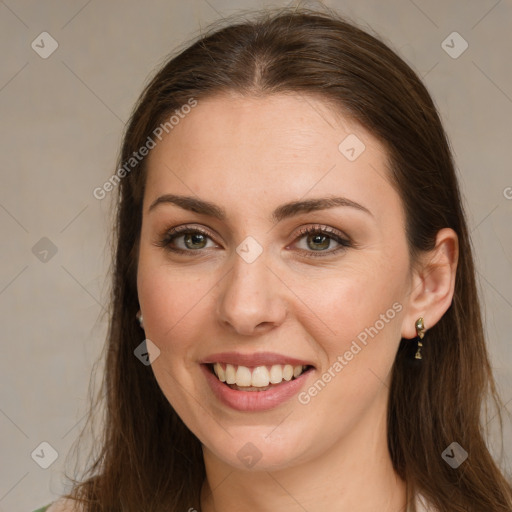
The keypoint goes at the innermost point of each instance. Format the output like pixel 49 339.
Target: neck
pixel 356 473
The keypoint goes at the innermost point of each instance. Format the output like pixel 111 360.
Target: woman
pixel 292 247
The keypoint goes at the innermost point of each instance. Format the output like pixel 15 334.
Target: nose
pixel 252 299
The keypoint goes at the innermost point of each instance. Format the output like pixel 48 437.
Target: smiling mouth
pixel 258 378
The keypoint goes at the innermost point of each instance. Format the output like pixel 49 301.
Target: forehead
pixel 259 150
pixel 230 124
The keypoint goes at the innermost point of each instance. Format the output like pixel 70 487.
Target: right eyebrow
pixel 191 204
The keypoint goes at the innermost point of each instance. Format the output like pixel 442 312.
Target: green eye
pixel 194 240
pixel 319 239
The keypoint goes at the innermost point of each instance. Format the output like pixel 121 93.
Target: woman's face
pixel 245 285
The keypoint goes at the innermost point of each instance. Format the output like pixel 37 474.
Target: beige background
pixel 61 124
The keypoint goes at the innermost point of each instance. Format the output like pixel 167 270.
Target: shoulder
pixel 63 505
pixel 422 505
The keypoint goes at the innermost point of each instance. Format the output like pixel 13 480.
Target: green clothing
pixel 42 509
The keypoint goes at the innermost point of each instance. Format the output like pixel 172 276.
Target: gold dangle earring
pixel 420 331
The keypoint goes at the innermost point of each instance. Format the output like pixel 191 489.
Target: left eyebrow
pixel 284 211
pixel 322 203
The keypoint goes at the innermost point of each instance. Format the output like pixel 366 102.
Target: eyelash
pixel 174 233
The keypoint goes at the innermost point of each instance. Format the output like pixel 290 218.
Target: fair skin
pixel 250 155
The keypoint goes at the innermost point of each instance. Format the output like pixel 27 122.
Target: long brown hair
pixel 147 459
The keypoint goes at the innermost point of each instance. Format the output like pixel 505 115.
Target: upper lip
pixel 255 359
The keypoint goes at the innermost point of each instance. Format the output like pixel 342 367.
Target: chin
pixel 259 448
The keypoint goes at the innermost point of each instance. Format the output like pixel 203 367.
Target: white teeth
pixel 230 374
pixel 297 370
pixel 287 372
pixel 243 376
pixel 259 377
pixel 276 374
pixel 220 372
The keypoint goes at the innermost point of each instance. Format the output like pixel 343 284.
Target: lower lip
pixel 254 400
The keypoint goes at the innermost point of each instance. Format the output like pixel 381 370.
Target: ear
pixel 432 283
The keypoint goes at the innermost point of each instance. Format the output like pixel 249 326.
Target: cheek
pixel 170 299
pixel 342 307
pixel 173 305
pixel 356 323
